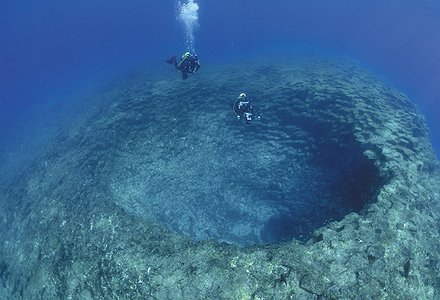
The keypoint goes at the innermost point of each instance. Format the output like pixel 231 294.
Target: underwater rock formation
pixel 163 194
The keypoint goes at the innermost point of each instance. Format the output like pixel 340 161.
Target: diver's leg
pixel 173 61
pixel 184 75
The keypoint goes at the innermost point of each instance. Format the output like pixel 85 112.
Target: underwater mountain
pixel 159 192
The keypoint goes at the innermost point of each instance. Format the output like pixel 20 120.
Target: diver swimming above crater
pixel 189 63
pixel 244 110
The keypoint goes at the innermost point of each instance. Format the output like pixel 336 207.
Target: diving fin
pixel 172 60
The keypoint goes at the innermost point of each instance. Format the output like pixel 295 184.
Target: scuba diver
pixel 188 64
pixel 243 109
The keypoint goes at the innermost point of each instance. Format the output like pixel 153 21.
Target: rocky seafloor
pixel 161 193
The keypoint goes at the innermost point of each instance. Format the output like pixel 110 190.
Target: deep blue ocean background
pixel 53 53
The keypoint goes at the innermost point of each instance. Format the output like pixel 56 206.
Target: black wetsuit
pixel 187 65
pixel 244 110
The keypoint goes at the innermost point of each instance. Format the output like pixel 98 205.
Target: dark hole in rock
pixel 204 174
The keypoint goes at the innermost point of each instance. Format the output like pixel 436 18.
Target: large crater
pixel 136 201
pixel 195 168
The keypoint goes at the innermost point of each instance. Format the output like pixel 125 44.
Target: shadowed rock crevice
pixel 351 180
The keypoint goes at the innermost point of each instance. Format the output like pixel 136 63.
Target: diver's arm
pixel 183 64
pixel 235 108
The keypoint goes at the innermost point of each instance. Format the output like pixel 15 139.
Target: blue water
pixel 54 51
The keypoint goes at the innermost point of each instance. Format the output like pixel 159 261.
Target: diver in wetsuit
pixel 188 64
pixel 243 109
